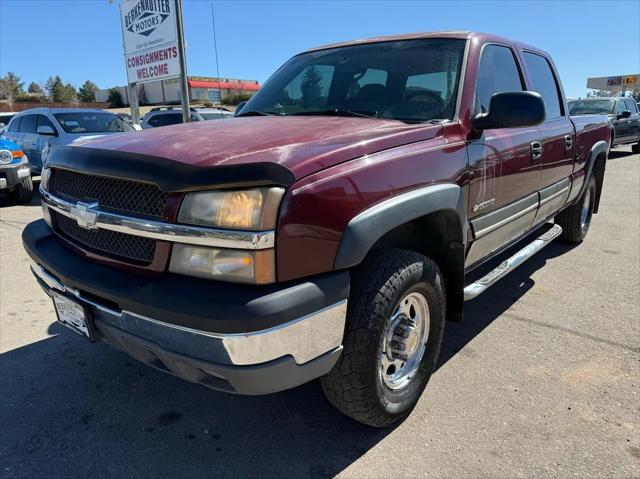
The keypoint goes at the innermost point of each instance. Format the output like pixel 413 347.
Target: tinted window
pixel 544 82
pixel 28 124
pixel 621 107
pixel 165 119
pixel 588 107
pixel 498 72
pixel 92 122
pixel 15 125
pixel 5 119
pixel 366 80
pixel 44 121
pixel 631 106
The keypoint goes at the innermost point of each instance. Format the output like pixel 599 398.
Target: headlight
pixel 251 209
pixel 5 157
pixel 255 267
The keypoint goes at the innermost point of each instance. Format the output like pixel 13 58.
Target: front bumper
pixel 236 338
pixel 12 174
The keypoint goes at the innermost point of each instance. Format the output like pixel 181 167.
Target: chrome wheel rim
pixel 405 341
pixel 586 210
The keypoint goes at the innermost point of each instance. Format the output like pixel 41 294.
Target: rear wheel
pixel 395 325
pixel 576 219
pixel 23 192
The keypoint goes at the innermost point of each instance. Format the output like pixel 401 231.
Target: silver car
pixel 38 129
pixel 164 116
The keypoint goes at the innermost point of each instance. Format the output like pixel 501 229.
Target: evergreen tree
pixel 35 88
pixel 87 92
pixel 311 87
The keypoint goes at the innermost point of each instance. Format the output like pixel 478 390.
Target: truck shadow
pixel 69 408
pixel 483 310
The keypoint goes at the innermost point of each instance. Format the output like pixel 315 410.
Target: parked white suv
pixel 38 129
pixel 164 116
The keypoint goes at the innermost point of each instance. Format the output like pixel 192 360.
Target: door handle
pixel 536 150
pixel 568 142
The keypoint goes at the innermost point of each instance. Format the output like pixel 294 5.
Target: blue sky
pixel 81 40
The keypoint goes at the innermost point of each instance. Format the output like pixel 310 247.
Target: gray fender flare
pixel 368 226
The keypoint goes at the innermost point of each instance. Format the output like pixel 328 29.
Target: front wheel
pixel 576 219
pixel 395 325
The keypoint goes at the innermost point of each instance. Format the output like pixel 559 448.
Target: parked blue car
pixel 15 174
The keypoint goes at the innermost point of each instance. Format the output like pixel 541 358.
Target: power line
pixel 215 49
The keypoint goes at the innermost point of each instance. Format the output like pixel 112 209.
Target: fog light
pixel 257 267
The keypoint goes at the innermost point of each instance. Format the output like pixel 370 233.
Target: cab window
pixel 15 124
pixel 498 73
pixel 544 82
pixel 28 124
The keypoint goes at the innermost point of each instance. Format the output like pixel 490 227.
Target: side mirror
pixel 46 130
pixel 624 114
pixel 511 110
pixel 239 107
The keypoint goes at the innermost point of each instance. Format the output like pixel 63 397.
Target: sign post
pixel 184 88
pixel 151 44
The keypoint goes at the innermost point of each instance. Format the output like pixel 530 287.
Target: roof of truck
pixel 407 36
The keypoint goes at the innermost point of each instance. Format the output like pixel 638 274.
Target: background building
pixel 615 84
pixel 162 92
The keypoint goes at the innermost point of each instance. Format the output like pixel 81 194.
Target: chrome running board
pixel 508 265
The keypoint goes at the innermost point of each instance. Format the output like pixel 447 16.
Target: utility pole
pixel 184 88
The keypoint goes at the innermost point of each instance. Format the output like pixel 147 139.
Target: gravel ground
pixel 541 380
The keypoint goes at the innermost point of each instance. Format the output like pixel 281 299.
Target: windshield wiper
pixel 337 112
pixel 255 113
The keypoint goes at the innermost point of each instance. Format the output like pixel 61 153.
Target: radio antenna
pixel 215 50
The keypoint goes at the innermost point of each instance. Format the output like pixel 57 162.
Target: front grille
pixel 119 196
pixel 113 244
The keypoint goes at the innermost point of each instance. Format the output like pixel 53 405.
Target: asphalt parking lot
pixel 541 380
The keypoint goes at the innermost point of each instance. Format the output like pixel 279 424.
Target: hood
pixel 304 145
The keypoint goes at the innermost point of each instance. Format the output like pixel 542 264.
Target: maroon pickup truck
pixel 327 231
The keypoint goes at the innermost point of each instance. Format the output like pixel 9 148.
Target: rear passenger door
pixel 557 134
pixel 504 179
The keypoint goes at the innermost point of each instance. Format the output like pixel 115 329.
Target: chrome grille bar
pixel 93 217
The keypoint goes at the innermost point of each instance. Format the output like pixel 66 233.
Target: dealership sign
pixel 150 39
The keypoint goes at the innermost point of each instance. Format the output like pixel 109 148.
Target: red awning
pixel 223 85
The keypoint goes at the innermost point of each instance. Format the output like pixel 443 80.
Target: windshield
pixel 92 122
pixel 591 107
pixel 409 80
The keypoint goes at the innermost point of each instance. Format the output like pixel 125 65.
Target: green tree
pixel 35 88
pixel 70 95
pixel 11 86
pixel 311 87
pixel 115 98
pixel 48 86
pixel 87 92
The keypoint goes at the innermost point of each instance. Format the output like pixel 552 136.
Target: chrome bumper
pixel 304 338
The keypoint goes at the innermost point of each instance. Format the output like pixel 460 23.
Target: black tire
pixel 355 385
pixel 574 228
pixel 635 148
pixel 23 192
